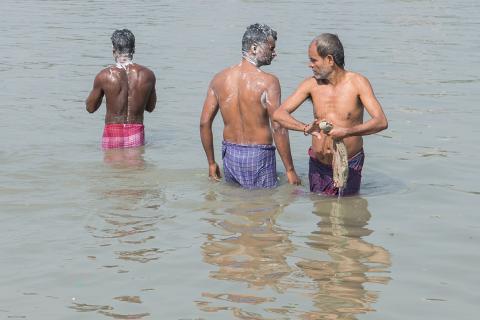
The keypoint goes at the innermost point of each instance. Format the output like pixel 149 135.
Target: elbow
pixel 277 116
pixel 383 125
pixel 150 108
pixel 205 125
pixel 89 106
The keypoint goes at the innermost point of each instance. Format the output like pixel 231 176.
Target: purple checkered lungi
pixel 250 166
pixel 321 175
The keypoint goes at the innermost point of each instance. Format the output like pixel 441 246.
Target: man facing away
pixel 340 97
pixel 129 89
pixel 247 98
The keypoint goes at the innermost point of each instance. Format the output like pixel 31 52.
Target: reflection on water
pixel 77 222
pixel 340 282
pixel 259 261
pixel 252 248
pixel 249 248
pixel 106 311
pixel 125 158
pixel 130 227
pixel 125 224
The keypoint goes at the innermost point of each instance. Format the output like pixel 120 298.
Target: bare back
pixel 242 92
pixel 129 91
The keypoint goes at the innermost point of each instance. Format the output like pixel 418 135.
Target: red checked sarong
pixel 118 135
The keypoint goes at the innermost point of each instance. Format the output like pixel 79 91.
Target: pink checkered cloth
pixel 123 135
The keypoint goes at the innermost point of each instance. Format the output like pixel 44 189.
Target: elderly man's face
pixel 265 52
pixel 321 67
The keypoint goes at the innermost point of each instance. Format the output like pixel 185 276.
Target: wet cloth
pixel 119 135
pixel 250 166
pixel 321 175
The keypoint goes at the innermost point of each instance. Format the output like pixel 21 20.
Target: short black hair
pixel 257 33
pixel 123 41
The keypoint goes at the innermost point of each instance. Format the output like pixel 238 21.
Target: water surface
pixel 88 235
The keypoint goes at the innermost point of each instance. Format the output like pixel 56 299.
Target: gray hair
pixel 257 33
pixel 123 42
pixel 329 44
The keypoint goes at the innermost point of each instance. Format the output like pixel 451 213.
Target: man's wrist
pixel 306 129
pixel 349 132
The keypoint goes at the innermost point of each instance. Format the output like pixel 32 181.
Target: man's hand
pixel 293 178
pixel 214 172
pixel 338 133
pixel 313 128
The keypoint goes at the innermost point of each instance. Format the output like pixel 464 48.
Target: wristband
pixel 305 130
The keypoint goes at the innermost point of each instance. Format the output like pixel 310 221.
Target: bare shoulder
pixel 144 71
pixel 103 76
pixel 270 79
pixel 308 84
pixel 226 72
pixel 220 77
pixel 104 73
pixel 357 79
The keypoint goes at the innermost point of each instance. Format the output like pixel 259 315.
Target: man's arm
pixel 283 114
pixel 378 121
pixel 94 99
pixel 280 135
pixel 210 109
pixel 152 99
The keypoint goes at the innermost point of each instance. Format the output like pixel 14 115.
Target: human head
pixel 123 43
pixel 326 55
pixel 329 44
pixel 258 44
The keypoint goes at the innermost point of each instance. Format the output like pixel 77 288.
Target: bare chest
pixel 337 104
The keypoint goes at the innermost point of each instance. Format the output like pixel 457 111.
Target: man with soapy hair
pixel 247 97
pixel 129 89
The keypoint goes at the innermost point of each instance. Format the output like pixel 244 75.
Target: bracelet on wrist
pixel 305 130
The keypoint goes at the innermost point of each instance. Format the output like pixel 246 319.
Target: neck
pixel 336 76
pixel 123 60
pixel 250 59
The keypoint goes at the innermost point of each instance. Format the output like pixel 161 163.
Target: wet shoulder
pixel 232 70
pixel 222 76
pixel 108 75
pixel 269 78
pixel 265 80
pixel 143 71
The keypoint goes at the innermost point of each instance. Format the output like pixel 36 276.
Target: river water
pixel 88 235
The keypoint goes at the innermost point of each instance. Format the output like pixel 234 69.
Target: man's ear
pixel 254 48
pixel 330 59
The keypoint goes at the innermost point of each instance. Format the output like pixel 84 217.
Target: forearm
pixel 93 106
pixel 152 101
pixel 282 142
pixel 150 108
pixel 372 126
pixel 286 120
pixel 93 101
pixel 206 136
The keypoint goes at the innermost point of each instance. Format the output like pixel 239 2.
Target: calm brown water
pixel 85 236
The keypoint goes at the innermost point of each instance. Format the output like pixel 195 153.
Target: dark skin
pixel 129 91
pixel 246 98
